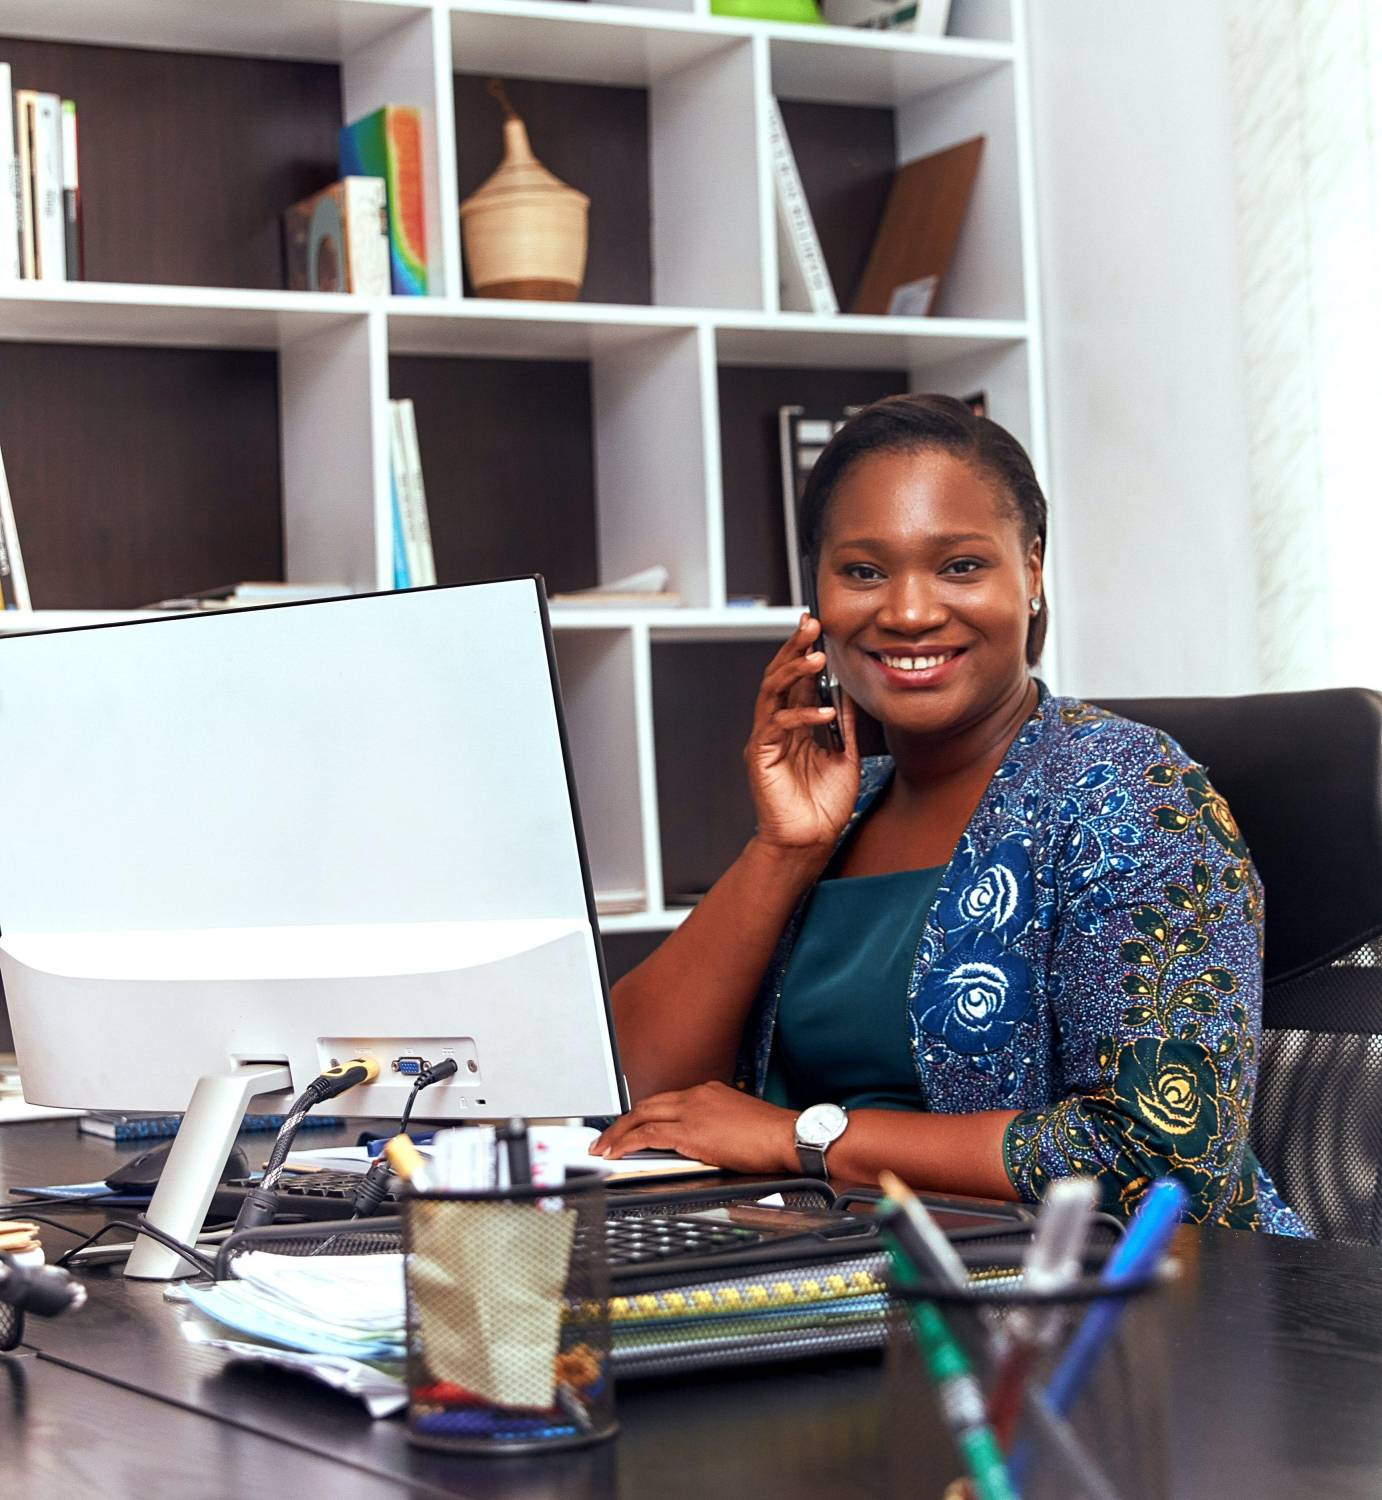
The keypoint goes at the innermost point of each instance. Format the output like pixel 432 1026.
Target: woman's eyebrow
pixel 935 539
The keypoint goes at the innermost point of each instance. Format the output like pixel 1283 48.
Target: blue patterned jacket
pixel 1093 960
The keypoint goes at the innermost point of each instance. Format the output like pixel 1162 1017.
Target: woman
pixel 1025 943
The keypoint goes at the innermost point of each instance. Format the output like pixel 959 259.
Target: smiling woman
pixel 1025 943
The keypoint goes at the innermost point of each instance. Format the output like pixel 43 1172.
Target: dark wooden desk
pixel 1275 1349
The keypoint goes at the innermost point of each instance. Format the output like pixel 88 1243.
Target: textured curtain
pixel 1307 101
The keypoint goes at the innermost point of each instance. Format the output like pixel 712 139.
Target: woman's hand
pixel 802 793
pixel 713 1123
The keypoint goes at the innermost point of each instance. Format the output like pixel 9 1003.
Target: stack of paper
pixel 344 1305
pixel 560 1146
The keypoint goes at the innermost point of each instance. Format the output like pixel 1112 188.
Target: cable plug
pixel 335 1081
pixel 373 1190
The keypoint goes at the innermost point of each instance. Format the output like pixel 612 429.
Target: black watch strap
pixel 812 1159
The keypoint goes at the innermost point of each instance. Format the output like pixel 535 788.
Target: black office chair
pixel 1303 775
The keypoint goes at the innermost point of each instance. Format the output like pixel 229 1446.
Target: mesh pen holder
pixel 1107 1443
pixel 508 1318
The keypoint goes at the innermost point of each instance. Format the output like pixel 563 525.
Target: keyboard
pixel 629 1241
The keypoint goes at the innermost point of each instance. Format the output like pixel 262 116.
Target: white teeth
pixel 913 663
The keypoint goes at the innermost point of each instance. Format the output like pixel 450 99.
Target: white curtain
pixel 1307 97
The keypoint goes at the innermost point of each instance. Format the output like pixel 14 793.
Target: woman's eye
pixel 963 565
pixel 866 572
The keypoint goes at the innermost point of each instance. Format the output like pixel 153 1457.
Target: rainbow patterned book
pixel 388 144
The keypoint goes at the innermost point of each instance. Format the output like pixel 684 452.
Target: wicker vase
pixel 524 230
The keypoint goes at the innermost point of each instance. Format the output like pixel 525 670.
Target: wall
pixel 1149 488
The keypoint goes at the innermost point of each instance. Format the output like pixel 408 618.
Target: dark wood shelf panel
pixel 508 463
pixel 594 138
pixel 846 155
pixel 141 473
pixel 188 160
pixel 703 697
pixel 750 395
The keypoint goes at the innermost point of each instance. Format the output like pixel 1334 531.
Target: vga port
pixel 409 1067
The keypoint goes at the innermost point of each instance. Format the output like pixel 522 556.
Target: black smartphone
pixel 828 690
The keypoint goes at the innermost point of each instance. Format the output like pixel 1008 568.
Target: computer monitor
pixel 241 845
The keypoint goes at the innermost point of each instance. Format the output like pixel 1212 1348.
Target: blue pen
pixel 1136 1255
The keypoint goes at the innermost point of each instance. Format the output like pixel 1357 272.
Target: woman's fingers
pixel 779 681
pixel 655 1135
pixel 802 718
pixel 656 1108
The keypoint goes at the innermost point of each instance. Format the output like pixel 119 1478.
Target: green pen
pixel 962 1402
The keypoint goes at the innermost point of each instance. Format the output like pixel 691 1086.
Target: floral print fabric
pixel 1093 960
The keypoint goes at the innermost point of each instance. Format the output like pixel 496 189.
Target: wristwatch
pixel 818 1128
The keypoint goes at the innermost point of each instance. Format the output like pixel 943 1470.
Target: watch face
pixel 821 1124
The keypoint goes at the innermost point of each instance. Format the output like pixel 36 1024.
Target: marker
pixel 943 1260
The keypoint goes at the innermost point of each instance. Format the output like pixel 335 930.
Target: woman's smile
pixel 910 670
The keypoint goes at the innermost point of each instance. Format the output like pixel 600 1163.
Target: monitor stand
pixel 199 1154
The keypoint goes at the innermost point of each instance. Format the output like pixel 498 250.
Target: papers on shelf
pixel 619 903
pixel 565 1145
pixel 640 589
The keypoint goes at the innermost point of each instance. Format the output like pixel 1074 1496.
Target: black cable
pixel 434 1073
pixel 261 1204
pixel 373 1190
pixel 206 1266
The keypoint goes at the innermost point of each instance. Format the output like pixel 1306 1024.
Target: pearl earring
pixel 1036 606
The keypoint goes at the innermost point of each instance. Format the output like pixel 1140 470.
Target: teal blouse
pixel 843 1034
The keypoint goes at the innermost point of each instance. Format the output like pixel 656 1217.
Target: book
pixel 14 582
pixel 24 173
pixel 50 237
pixel 916 239
pixel 804 278
pixel 402 579
pixel 802 434
pixel 924 17
pixel 417 526
pixel 338 239
pixel 9 181
pixel 74 244
pixel 114 1126
pixel 388 144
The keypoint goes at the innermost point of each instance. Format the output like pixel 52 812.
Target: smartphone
pixel 829 693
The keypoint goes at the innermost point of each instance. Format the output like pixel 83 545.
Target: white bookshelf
pixel 654 368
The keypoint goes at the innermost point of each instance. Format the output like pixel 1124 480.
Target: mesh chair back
pixel 1303 775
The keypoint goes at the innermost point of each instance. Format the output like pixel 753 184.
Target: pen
pixel 1136 1255
pixel 1051 1263
pixel 407 1161
pixel 942 1259
pixel 961 1401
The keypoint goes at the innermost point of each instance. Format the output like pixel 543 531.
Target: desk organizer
pixel 508 1318
pixel 1110 1444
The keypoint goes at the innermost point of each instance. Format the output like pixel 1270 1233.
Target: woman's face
pixel 924 591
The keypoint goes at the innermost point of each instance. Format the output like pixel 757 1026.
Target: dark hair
pixel 916 422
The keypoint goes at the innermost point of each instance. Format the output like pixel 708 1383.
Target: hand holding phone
pixel 829 693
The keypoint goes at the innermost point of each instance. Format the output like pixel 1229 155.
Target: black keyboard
pixel 629 1241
